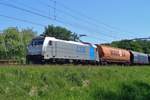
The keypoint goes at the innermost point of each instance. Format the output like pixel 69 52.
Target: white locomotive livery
pixel 49 50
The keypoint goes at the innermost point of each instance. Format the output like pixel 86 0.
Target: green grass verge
pixel 55 82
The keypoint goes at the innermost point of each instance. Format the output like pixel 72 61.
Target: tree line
pixel 14 41
pixel 135 45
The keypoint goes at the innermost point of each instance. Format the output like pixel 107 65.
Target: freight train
pixel 52 50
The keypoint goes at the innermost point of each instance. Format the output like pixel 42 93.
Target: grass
pixel 67 82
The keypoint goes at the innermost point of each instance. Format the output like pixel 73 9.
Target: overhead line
pixel 79 18
pixel 26 10
pixel 90 18
pixel 38 14
pixel 79 13
pixel 34 23
pixel 66 13
pixel 22 20
pixel 61 11
pixel 69 14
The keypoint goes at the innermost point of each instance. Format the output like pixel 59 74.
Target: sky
pixel 102 21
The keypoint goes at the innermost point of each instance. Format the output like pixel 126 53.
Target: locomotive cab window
pixel 50 43
pixel 37 42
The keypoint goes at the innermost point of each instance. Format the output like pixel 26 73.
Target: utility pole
pixel 54 10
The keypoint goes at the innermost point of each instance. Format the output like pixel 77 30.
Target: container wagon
pixel 110 55
pixel 139 58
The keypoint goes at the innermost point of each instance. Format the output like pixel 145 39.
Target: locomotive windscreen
pixel 37 42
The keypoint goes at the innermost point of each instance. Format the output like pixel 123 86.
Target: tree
pixel 27 35
pixel 13 43
pixel 136 45
pixel 60 33
pixel 2 47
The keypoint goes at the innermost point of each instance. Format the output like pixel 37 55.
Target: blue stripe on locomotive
pixel 80 49
pixel 92 53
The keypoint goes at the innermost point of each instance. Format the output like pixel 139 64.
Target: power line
pixel 110 36
pixel 55 10
pixel 87 29
pixel 89 22
pixel 22 20
pixel 34 23
pixel 38 14
pixel 35 13
pixel 77 18
pixel 26 10
pixel 30 22
pixel 90 18
pixel 72 15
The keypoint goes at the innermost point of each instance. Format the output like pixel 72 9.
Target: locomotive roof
pixel 72 42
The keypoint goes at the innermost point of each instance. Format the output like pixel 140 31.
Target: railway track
pixel 9 62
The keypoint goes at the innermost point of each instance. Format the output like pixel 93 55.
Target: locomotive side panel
pixel 60 49
pixel 71 51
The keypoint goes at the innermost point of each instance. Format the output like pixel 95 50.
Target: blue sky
pixel 113 19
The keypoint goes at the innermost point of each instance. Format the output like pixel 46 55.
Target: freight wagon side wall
pixel 139 58
pixel 113 55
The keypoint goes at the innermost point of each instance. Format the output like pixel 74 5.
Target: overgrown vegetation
pixel 136 45
pixel 74 83
pixel 13 43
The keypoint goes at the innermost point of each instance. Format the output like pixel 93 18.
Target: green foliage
pixel 13 43
pixel 137 45
pixel 53 82
pixel 60 33
pixel 2 47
